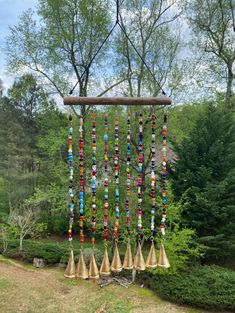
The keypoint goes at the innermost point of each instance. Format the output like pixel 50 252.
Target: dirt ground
pixel 29 290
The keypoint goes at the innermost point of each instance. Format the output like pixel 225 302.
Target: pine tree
pixel 204 178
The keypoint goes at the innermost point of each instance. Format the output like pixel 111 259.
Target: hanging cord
pixel 118 4
pixel 71 180
pixel 94 56
pixel 116 175
pixel 140 178
pixel 128 174
pixel 153 178
pixel 106 177
pixel 141 58
pixel 93 180
pixel 81 180
pixel 164 176
pixel 231 7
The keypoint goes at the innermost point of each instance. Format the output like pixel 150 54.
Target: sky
pixel 10 10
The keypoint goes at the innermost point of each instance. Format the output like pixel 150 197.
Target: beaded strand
pixel 140 175
pixel 164 177
pixel 81 181
pixel 93 179
pixel 116 175
pixel 71 172
pixel 106 180
pixel 128 175
pixel 153 176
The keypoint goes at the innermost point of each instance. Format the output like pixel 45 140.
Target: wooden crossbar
pixel 116 101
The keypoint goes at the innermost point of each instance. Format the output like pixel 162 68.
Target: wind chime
pixel 163 260
pixel 129 263
pixel 105 265
pixel 128 260
pixel 70 271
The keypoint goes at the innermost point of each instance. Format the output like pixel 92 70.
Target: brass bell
pixel 139 263
pixel 93 270
pixel 128 260
pixel 82 271
pixel 151 260
pixel 116 265
pixel 105 265
pixel 70 271
pixel 163 260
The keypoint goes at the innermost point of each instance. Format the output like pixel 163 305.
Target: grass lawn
pixel 26 289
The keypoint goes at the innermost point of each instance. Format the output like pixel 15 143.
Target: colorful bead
pixel 116 174
pixel 81 181
pixel 153 176
pixel 71 171
pixel 140 176
pixel 164 177
pixel 106 179
pixel 93 179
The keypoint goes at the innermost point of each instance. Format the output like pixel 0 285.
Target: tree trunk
pixel 21 242
pixel 229 91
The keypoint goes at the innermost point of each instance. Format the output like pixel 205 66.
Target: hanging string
pixel 117 22
pixel 140 175
pixel 71 172
pixel 128 174
pixel 106 180
pixel 93 179
pixel 153 176
pixel 116 175
pixel 81 180
pixel 164 176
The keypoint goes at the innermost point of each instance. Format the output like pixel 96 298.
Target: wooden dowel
pixel 116 101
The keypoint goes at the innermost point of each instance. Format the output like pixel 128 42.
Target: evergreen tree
pixel 204 179
pixel 16 171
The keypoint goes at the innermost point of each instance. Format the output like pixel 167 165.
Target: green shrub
pixel 203 286
pixel 50 252
pixel 87 254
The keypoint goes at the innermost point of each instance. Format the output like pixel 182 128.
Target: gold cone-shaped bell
pixel 116 265
pixel 163 260
pixel 128 260
pixel 70 271
pixel 93 270
pixel 105 265
pixel 82 271
pixel 152 259
pixel 139 263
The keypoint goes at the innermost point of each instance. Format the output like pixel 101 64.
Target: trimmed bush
pixel 203 286
pixel 51 252
pixel 87 254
